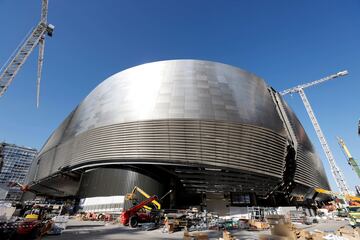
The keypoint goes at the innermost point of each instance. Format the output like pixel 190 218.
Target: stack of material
pixel 6 211
pixel 316 235
pixel 195 236
pixel 59 225
pixel 175 221
pixel 281 228
pixel 349 233
pixel 191 221
pixel 258 225
pixel 243 224
pixel 227 236
pixel 284 229
pixel 297 216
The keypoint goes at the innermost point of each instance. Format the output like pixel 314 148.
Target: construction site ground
pixel 79 230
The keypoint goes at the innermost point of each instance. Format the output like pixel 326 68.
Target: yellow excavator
pixel 132 197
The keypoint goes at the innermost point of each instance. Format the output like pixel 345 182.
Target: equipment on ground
pixel 139 213
pixel 34 38
pixel 351 161
pixel 354 215
pixel 348 199
pixel 336 172
pixel 133 216
pixel 34 225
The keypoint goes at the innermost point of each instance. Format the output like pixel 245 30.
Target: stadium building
pixel 217 135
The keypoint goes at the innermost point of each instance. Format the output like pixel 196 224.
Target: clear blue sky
pixel 284 42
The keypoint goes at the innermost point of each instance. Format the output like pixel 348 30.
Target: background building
pixel 16 164
pixel 215 134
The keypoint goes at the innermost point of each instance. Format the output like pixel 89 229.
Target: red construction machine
pixel 136 215
pixel 141 213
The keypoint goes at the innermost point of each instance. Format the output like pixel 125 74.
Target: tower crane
pixel 335 170
pixel 351 161
pixel 35 37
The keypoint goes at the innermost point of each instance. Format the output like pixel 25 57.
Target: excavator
pixel 141 212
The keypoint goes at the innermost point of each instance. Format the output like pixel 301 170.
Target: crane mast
pixel 351 161
pixel 15 62
pixel 335 170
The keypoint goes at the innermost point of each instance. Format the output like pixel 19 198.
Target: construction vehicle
pixel 134 215
pixel 132 197
pixel 335 170
pixel 140 213
pixel 354 216
pixel 351 161
pixel 34 225
pixel 35 37
pixel 346 200
pixel 347 197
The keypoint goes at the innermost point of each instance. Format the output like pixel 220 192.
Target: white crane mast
pixel 335 170
pixel 34 38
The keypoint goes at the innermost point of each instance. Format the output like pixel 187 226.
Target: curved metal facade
pixel 310 170
pixel 213 120
pixel 96 183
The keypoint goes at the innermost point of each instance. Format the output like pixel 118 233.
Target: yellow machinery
pixel 352 162
pixel 347 197
pixel 131 196
pixel 32 216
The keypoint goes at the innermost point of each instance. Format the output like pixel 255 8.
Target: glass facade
pixel 16 164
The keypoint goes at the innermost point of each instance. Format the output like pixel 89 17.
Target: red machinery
pixel 133 216
pixel 33 229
